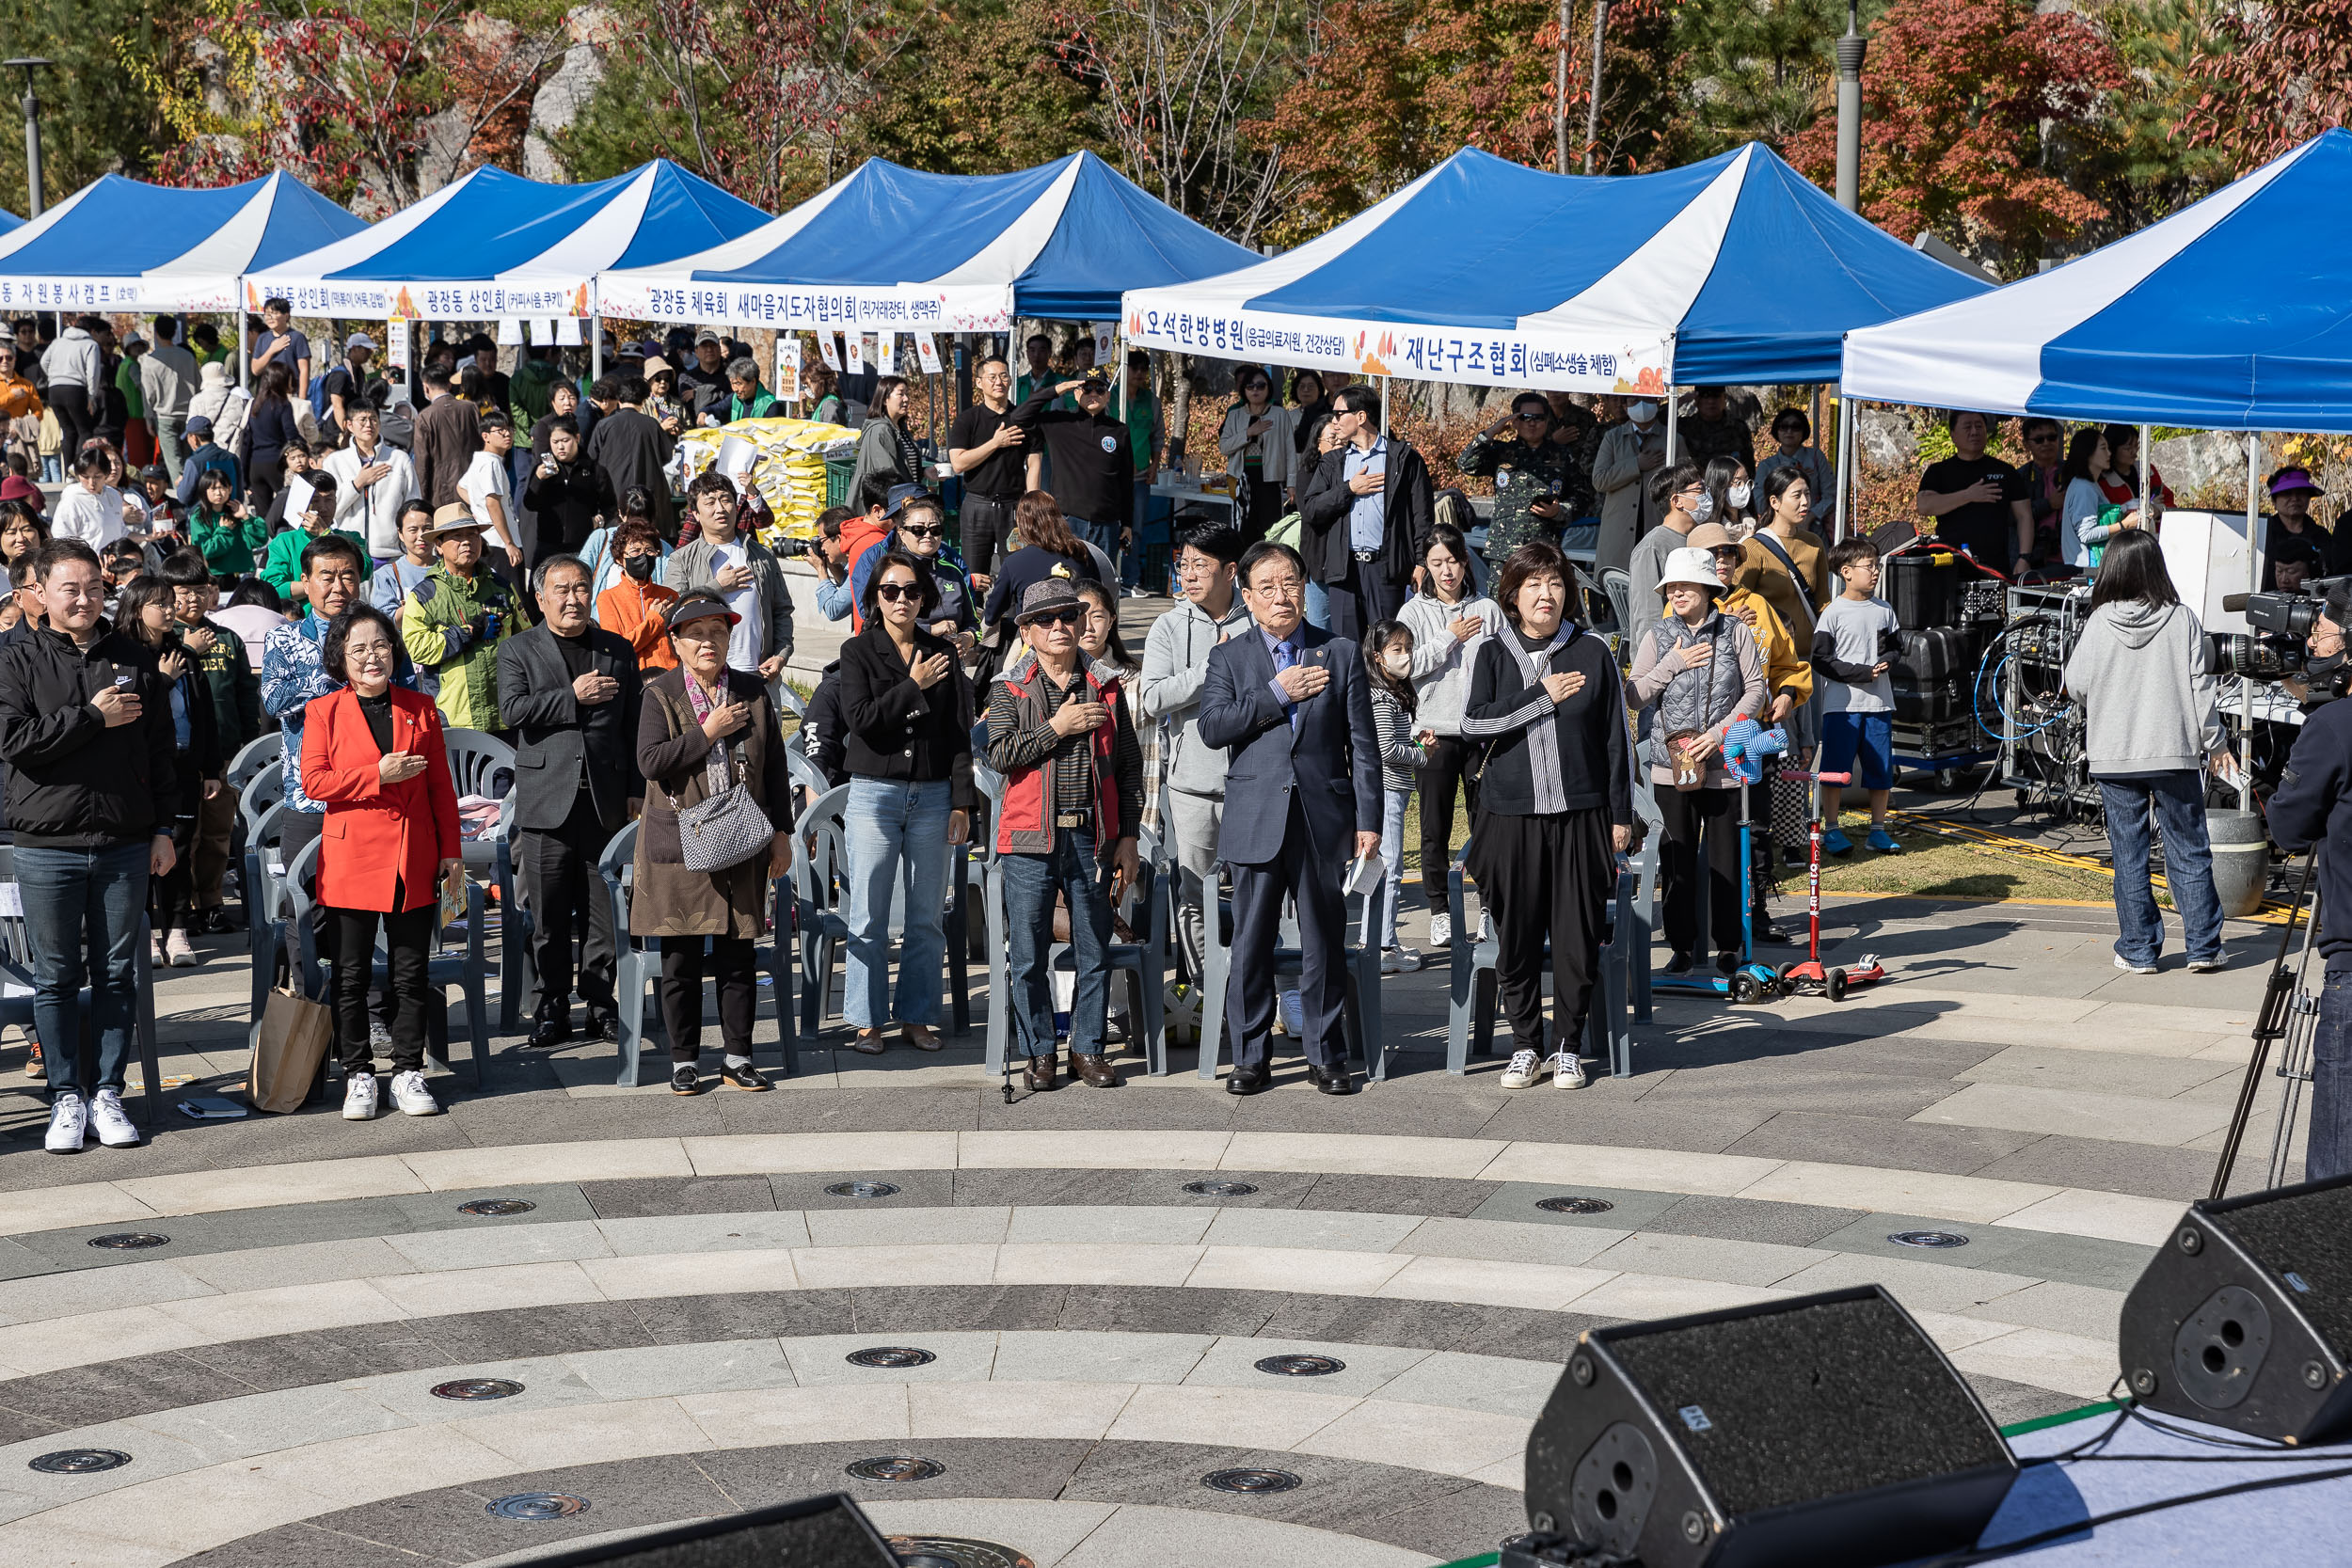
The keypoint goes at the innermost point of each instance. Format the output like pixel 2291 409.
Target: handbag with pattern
pixel 727 828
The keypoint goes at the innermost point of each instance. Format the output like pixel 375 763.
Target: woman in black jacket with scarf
pixel 906 722
pixel 1555 806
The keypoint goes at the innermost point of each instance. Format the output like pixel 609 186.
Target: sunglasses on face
pixel 1059 617
pixel 913 532
pixel 896 592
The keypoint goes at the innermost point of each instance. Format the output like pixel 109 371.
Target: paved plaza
pixel 679 1302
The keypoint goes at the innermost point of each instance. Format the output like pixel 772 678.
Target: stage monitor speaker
pixel 1826 1431
pixel 2244 1317
pixel 829 1531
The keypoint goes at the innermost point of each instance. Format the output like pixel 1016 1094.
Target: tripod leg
pixel 2271 1023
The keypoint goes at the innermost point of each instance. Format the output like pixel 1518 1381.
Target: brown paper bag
pixel 292 1042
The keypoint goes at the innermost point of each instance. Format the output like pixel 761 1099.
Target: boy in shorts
pixel 1849 660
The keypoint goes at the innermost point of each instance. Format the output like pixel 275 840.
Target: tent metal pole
pixel 1674 432
pixel 245 355
pixel 2253 584
pixel 596 349
pixel 2146 438
pixel 1845 465
pixel 1384 408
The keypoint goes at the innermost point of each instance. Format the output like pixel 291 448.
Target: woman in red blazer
pixel 374 755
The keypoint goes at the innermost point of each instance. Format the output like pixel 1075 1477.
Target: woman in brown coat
pixel 700 719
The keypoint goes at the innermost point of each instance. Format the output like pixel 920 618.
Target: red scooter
pixel 1810 979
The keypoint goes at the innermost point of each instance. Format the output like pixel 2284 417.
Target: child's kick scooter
pixel 1747 745
pixel 1810 979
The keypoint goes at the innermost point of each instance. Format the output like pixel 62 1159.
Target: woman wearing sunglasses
pixel 906 718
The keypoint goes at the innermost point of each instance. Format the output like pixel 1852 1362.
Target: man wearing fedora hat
pixel 1060 735
pixel 455 620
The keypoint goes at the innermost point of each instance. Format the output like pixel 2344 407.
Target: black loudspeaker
pixel 1826 1431
pixel 2244 1319
pixel 831 1531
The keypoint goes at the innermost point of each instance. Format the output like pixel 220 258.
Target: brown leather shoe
pixel 1093 1070
pixel 1039 1073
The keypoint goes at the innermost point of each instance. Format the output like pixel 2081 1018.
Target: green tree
pixel 1759 70
pixel 981 89
pixel 95 119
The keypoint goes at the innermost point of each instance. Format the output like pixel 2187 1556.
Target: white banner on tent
pixel 320 296
pixel 954 307
pixel 1552 360
pixel 927 353
pixel 71 294
pixel 830 350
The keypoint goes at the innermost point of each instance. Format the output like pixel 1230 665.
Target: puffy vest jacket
pixel 1024 819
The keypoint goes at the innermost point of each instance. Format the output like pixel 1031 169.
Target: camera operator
pixel 2315 802
pixel 830 555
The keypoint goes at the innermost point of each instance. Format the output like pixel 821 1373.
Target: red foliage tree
pixel 2277 74
pixel 1962 100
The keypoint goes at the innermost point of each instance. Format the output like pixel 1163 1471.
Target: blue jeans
pixel 2179 799
pixel 1394 802
pixel 896 832
pixel 1318 605
pixel 1103 536
pixel 80 903
pixel 2329 1153
pixel 1029 884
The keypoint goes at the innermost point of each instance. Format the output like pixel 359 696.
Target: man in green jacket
pixel 282 567
pixel 454 621
pixel 750 401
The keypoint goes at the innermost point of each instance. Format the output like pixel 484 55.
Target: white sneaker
pixel 360 1096
pixel 68 1120
pixel 114 1125
pixel 1522 1072
pixel 1441 930
pixel 1568 1072
pixel 2130 968
pixel 155 958
pixel 2207 966
pixel 177 950
pixel 1399 960
pixel 412 1097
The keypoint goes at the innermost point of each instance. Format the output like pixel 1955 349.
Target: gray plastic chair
pixel 263 751
pixel 16 967
pixel 1361 1012
pixel 1470 1013
pixel 637 964
pixel 264 903
pixel 443 969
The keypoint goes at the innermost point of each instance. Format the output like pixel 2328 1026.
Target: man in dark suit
pixel 1364 515
pixel 569 692
pixel 1291 708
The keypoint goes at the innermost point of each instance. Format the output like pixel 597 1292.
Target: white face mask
pixel 1398 664
pixel 1702 508
pixel 1738 494
pixel 1640 413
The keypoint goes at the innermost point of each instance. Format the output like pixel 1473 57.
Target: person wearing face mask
pixel 1388 672
pixel 1728 488
pixel 635 609
pixel 1681 501
pixel 1629 456
pixel 1447 617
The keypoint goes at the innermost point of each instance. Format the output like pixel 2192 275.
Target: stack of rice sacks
pixel 791 472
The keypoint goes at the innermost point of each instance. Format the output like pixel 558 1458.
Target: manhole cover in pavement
pixel 897 1467
pixel 890 1355
pixel 478 1389
pixel 1301 1365
pixel 537 1506
pixel 1249 1481
pixel 862 1189
pixel 1934 1239
pixel 497 1208
pixel 953 1551
pixel 1575 1204
pixel 129 1241
pixel 1219 1189
pixel 81 1462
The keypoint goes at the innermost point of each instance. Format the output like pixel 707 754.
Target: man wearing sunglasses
pixel 1540 484
pixel 920 528
pixel 2045 473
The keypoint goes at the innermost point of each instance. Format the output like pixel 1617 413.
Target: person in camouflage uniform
pixel 455 620
pixel 1540 484
pixel 1712 429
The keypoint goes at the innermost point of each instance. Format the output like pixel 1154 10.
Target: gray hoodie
pixel 74 358
pixel 2149 702
pixel 1175 665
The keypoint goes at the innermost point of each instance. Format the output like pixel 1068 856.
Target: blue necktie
pixel 1284 656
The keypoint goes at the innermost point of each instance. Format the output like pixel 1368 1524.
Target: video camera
pixel 2276 651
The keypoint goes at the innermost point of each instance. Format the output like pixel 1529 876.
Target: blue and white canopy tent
pixel 121 245
pixel 496 245
pixel 2213 318
pixel 892 247
pixel 1487 272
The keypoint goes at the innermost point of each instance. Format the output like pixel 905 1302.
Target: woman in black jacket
pixel 262 449
pixel 144 613
pixel 1555 806
pixel 906 720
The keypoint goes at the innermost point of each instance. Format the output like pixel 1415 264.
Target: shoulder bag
pixel 728 827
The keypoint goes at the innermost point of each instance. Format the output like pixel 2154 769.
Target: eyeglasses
pixel 895 591
pixel 914 532
pixel 2046 435
pixel 1075 615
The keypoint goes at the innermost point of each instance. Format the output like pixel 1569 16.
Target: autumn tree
pixel 981 89
pixel 2280 72
pixel 1963 103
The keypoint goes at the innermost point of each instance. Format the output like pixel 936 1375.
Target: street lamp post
pixel 1849 52
pixel 29 64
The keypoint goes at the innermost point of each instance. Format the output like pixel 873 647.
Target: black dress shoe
pixel 743 1078
pixel 1770 935
pixel 1726 962
pixel 1679 964
pixel 684 1079
pixel 1245 1082
pixel 553 1030
pixel 1039 1073
pixel 601 1026
pixel 1331 1079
